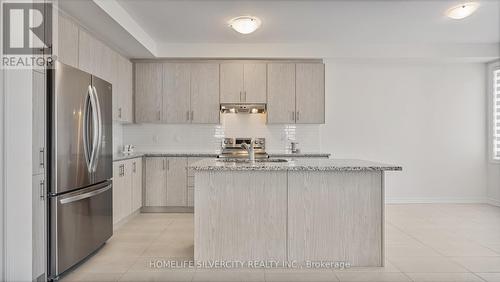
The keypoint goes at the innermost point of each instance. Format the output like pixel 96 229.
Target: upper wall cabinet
pixel 296 93
pixel 177 93
pixel 67 42
pixel 122 90
pixel 310 93
pixel 95 57
pixel 148 92
pixel 243 83
pixel 205 93
pixel 281 93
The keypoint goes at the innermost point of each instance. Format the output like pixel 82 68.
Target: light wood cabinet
pixel 205 93
pixel 38 214
pixel 280 93
pixel 117 183
pixel 310 93
pixel 122 90
pixel 148 92
pixel 127 188
pixel 67 41
pixel 191 92
pixel 254 82
pixel 136 184
pixel 296 93
pixel 122 190
pixel 231 82
pixel 93 56
pixel 176 181
pixel 243 82
pixel 155 190
pixel 176 93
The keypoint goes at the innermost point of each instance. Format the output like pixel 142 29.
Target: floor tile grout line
pixel 448 258
pixel 477 275
pixel 407 276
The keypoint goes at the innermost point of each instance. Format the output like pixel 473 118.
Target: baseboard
pixel 437 200
pixel 167 210
pixel 493 202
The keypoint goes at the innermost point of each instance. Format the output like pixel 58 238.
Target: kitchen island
pixel 300 211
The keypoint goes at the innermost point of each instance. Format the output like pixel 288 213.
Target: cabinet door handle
pixel 163 162
pixel 192 115
pixel 244 96
pixel 42 158
pixel 240 96
pixel 168 164
pixel 187 115
pixel 159 115
pixel 298 115
pixel 134 167
pixel 120 112
pixel 293 116
pixel 42 190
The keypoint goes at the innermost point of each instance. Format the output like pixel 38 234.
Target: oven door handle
pixel 85 195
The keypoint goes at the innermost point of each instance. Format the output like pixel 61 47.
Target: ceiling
pixel 307 28
pixel 344 22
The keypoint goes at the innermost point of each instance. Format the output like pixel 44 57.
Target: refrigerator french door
pixel 80 134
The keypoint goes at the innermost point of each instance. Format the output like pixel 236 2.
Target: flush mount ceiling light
pixel 245 24
pixel 462 11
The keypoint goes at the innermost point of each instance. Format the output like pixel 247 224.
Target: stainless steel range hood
pixel 242 108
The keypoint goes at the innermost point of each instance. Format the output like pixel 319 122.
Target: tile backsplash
pixel 207 138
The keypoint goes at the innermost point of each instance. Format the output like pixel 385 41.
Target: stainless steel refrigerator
pixel 80 136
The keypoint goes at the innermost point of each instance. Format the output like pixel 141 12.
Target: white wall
pixel 427 117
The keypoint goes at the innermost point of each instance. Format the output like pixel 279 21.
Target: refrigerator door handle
pixel 98 126
pixel 85 128
pixel 85 195
pixel 95 129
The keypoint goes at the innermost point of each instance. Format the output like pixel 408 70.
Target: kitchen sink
pixel 233 160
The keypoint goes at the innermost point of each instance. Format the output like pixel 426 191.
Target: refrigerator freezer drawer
pixel 81 221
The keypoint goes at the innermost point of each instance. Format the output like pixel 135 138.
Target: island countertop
pixel 294 165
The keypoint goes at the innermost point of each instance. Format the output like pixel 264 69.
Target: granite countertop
pixel 121 156
pixel 295 165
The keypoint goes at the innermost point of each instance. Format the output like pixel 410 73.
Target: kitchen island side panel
pixel 335 216
pixel 240 215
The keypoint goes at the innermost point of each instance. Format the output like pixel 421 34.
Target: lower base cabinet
pixel 169 183
pixel 127 188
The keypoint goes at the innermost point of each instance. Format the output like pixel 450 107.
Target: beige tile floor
pixel 445 242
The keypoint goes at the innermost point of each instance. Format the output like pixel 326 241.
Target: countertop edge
pixel 296 168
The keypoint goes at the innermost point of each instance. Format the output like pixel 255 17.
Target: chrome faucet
pixel 250 149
